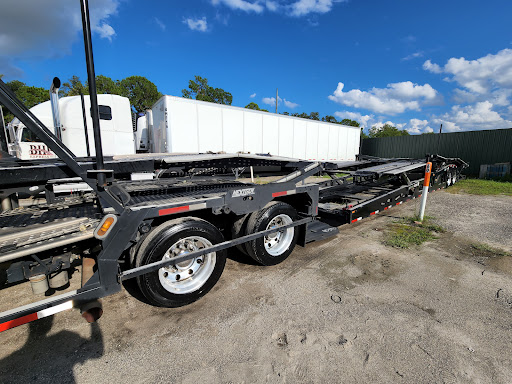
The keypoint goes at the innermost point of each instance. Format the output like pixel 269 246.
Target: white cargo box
pixel 192 126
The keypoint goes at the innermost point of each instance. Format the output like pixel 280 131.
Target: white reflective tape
pixel 376 212
pixel 53 310
pixel 291 192
pixel 359 218
pixel 193 207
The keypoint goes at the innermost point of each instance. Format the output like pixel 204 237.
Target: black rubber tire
pixel 158 242
pixel 258 221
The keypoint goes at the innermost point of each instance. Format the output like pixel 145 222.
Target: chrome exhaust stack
pixel 54 101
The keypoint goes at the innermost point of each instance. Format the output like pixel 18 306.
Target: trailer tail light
pixel 105 226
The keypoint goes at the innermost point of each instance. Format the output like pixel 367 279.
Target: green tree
pixel 363 135
pixel 427 133
pixel 73 87
pixel 141 92
pixel 314 116
pixel 351 123
pixel 105 85
pixel 255 106
pixel 330 119
pixel 200 90
pixel 30 96
pixel 387 131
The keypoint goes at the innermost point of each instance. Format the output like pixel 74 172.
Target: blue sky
pixel 416 64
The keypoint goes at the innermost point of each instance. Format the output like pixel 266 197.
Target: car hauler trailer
pixel 171 234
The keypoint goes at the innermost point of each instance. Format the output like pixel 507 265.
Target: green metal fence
pixel 474 147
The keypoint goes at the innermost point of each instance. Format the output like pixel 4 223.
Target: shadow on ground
pixel 36 360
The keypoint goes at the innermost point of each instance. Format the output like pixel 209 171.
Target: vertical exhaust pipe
pixel 54 101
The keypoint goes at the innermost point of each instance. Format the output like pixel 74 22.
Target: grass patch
pixel 481 187
pixel 337 175
pixel 408 231
pixel 489 251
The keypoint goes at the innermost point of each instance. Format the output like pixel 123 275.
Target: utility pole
pixel 439 138
pixel 277 97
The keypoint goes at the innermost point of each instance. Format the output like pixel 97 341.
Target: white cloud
pixel 105 31
pixel 272 101
pixel 290 104
pixel 472 117
pixel 160 23
pixel 273 6
pixel 305 7
pixel 380 124
pixel 481 75
pixel 243 5
pixel 269 100
pixel 221 18
pixel 31 29
pixel 417 126
pixel 396 98
pixel 414 55
pixel 253 96
pixel 200 25
pixel 296 8
pixel 361 119
pixel 434 68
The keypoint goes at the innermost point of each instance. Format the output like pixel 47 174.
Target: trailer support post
pixel 426 182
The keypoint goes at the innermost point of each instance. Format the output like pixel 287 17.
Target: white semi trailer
pixel 179 125
pixel 176 124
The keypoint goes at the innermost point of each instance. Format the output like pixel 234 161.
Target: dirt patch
pixel 349 309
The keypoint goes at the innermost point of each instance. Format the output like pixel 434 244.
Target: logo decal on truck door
pixel 243 192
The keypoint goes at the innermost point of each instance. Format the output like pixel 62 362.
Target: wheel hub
pixel 278 242
pixel 188 275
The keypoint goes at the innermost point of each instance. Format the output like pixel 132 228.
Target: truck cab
pixel 115 125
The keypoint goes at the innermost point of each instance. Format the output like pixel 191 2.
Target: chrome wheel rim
pixel 278 242
pixel 189 275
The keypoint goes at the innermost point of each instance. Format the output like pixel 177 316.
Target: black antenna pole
pixel 85 124
pixel 91 78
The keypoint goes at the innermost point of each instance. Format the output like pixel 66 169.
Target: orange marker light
pixel 105 226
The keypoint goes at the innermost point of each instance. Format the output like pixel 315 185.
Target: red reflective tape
pixel 169 211
pixel 373 213
pixel 277 194
pixel 385 208
pixel 353 221
pixel 16 322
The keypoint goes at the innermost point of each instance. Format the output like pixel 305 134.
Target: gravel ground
pixel 348 309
